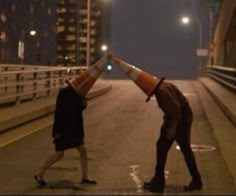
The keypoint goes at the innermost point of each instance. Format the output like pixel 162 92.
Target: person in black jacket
pixel 68 132
pixel 177 123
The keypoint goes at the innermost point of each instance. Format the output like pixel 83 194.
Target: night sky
pixel 149 34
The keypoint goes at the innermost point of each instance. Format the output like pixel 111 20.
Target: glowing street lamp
pixel 104 48
pixel 89 31
pixel 185 20
pixel 32 32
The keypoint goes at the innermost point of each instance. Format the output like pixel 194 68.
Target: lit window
pixel 38 44
pixel 31 9
pixel 3 18
pixel 3 36
pixel 49 11
pixel 13 8
pixel 32 32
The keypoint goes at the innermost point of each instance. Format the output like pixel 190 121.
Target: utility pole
pixel 88 33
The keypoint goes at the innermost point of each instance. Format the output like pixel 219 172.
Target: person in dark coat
pixel 177 123
pixel 67 132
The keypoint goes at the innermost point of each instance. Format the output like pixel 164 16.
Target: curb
pixel 215 115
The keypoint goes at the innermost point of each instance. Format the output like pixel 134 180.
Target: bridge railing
pixel 224 75
pixel 19 67
pixel 17 86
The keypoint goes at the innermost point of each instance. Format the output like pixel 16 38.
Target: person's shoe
pixel 155 185
pixel 157 188
pixel 148 184
pixel 39 180
pixel 194 185
pixel 88 181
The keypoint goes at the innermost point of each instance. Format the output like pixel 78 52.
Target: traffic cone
pixel 145 81
pixel 83 83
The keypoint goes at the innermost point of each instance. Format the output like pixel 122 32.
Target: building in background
pixel 224 42
pixel 27 32
pixel 72 31
pixel 52 32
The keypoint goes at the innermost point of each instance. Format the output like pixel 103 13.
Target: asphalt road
pixel 121 133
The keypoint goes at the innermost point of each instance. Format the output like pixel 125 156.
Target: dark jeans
pixel 183 134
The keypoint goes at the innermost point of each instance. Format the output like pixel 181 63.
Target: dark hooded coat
pixel 68 128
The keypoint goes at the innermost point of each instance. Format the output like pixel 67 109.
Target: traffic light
pixel 109 67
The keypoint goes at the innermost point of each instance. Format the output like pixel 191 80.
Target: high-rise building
pixel 27 32
pixel 75 18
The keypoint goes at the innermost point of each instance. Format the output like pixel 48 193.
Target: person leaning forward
pixel 177 123
pixel 67 132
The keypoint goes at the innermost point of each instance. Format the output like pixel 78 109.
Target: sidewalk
pixel 28 111
pixel 223 123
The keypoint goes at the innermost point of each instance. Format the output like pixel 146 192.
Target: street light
pixel 104 47
pixel 186 20
pixel 32 32
pixel 88 33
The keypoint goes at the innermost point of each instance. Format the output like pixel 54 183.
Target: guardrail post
pixel 61 80
pixel 6 81
pixel 35 84
pixel 18 89
pixel 48 84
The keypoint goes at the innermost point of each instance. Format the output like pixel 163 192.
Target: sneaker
pixel 194 185
pixel 88 181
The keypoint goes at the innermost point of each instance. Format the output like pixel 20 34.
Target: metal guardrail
pixel 17 86
pixel 17 67
pixel 224 75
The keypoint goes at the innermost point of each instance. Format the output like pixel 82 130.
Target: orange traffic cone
pixel 145 81
pixel 83 83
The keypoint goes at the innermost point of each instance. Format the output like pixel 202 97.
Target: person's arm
pixel 172 111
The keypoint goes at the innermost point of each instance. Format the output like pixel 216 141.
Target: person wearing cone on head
pixel 177 123
pixel 67 132
pixel 68 127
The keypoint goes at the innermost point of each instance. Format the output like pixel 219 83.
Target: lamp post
pixel 88 33
pixel 200 45
pixel 185 20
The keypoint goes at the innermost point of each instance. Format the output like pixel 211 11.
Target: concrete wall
pixel 221 39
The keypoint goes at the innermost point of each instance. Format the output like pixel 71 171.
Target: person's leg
pixel 189 158
pixel 162 148
pixel 183 139
pixel 58 155
pixel 84 165
pixel 157 183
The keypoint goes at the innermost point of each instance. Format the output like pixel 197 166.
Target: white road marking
pixel 135 178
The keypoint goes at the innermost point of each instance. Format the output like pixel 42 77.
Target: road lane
pixel 121 132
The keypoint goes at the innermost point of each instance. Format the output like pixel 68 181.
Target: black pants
pixel 183 134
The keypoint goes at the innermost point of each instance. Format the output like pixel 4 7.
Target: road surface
pixel 121 133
